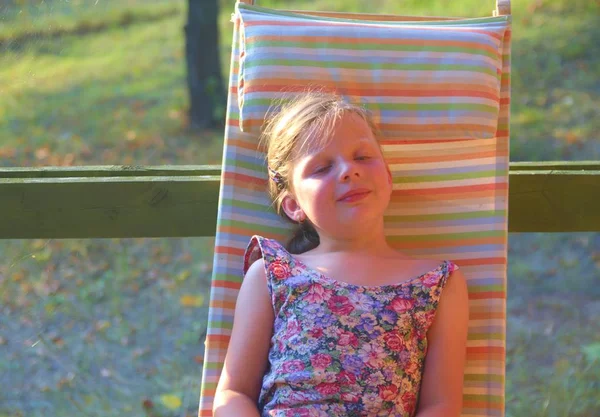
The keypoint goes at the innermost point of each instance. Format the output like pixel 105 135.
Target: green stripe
pixel 449 177
pixel 485 336
pixel 398 106
pixel 484 378
pixel 485 398
pixel 368 65
pixel 220 325
pixel 229 278
pixel 366 46
pixel 458 22
pixel 447 236
pixel 209 385
pixel 446 216
pixel 244 164
pixel 245 205
pixel 486 288
pixel 213 365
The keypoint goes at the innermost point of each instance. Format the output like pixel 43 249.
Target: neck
pixel 363 240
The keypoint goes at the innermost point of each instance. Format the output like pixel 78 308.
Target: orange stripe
pixel 486 316
pixel 246 144
pixel 237 230
pixel 217 283
pixel 222 304
pixel 246 179
pixel 443 158
pixel 448 243
pixel 467 189
pixel 482 261
pixel 417 199
pixel 486 356
pixel 229 250
pixel 486 295
pixel 276 85
pixel 485 349
pixel 218 338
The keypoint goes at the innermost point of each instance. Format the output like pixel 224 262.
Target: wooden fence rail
pixel 181 201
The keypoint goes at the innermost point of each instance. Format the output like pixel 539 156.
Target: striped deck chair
pixel 439 90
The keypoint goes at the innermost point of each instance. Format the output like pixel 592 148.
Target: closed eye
pixel 322 170
pixel 362 158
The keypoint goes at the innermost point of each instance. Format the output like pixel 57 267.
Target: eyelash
pixel 322 169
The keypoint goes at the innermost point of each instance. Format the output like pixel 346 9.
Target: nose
pixel 348 169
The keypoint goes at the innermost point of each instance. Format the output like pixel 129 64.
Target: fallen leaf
pixel 183 275
pixel 102 325
pixel 147 404
pixel 192 300
pixel 172 402
pixel 18 276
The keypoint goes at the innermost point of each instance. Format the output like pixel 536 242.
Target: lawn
pixel 104 327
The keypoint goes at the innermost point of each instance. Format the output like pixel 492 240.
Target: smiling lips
pixel 354 195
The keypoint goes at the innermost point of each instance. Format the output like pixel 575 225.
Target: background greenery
pixel 114 326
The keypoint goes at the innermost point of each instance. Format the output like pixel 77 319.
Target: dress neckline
pixel 321 276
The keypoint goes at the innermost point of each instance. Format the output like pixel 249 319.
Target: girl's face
pixel 344 186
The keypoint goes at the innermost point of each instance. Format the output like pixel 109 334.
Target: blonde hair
pixel 301 125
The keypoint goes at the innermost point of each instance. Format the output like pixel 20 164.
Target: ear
pixel 291 207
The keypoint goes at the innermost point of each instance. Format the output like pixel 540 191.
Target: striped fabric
pixel 425 81
pixel 448 158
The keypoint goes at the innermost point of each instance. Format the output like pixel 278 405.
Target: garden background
pixel 106 327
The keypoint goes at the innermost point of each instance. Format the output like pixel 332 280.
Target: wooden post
pixel 502 8
pixel 250 2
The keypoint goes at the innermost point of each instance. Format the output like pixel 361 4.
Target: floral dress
pixel 340 349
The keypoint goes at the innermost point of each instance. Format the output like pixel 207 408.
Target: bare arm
pixel 442 384
pixel 247 354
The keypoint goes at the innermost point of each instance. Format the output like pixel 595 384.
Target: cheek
pixel 314 195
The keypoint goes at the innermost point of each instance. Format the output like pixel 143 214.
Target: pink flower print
pixel 316 333
pixel 348 339
pixel 349 397
pixel 409 399
pixel 317 294
pixel 313 412
pixel 431 279
pixel 338 304
pixel 394 342
pixel 411 368
pixel 293 328
pixel 372 354
pixel 280 270
pixel 346 378
pixel 388 392
pixel 328 388
pixel 293 366
pixel 401 305
pixel 301 412
pixel 320 361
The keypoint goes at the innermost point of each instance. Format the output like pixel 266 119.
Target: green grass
pixel 109 327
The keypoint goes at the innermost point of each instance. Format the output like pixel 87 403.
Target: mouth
pixel 354 195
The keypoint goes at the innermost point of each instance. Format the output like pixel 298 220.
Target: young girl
pixel 338 323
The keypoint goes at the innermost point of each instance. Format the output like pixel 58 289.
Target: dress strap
pixel 260 247
pixel 433 286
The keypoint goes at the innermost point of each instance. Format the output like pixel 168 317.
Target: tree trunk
pixel 205 84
